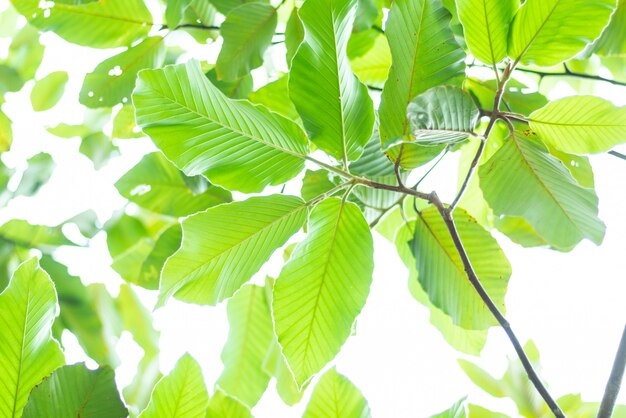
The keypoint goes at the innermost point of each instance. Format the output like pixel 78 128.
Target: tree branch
pixel 615 380
pixel 617 154
pixel 568 73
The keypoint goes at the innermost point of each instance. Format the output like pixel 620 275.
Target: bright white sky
pixel 571 305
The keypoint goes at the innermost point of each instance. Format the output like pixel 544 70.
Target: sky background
pixel 571 305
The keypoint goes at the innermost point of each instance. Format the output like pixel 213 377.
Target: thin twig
pixel 617 154
pixel 615 380
pixel 569 73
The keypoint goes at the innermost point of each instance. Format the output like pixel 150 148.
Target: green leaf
pixel 286 386
pixel 96 24
pixel 124 125
pixel 275 96
pixel 294 34
pixel 157 185
pixel 476 411
pixel 482 379
pixel 175 11
pixel 237 89
pixel 422 59
pixel 39 170
pixel 441 271
pixel 442 115
pixel 181 394
pixel 6 132
pixel 76 391
pixel 113 80
pixel 221 405
pixel 548 32
pixel 372 68
pixel 137 320
pixel 336 397
pixel 48 91
pixel 247 32
pixel 27 235
pixel 323 287
pixel 249 340
pixel 79 314
pixel 522 179
pixel 233 143
pixel 335 106
pixel 29 353
pixel 486 24
pixel 516 97
pixel 580 124
pixel 25 53
pixel 210 267
pixel 613 39
pixel 457 410
pixel 98 148
pixel 227 6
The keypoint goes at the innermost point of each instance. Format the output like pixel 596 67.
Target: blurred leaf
pixel 175 11
pixel 27 235
pixel 226 6
pixel 98 148
pixel 221 405
pixel 76 391
pixel 516 96
pixel 6 133
pixel 27 309
pixel 336 397
pixel 39 170
pixel 457 410
pixel 25 53
pixel 48 91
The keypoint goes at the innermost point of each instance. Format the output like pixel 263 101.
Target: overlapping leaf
pixel 76 391
pixel 95 24
pixel 249 340
pixel 233 143
pixel 441 272
pixel 522 179
pixel 323 287
pixel 613 39
pixel 336 397
pixel 181 394
pixel 247 32
pixel 548 32
pixel 157 185
pixel 113 80
pixel 334 105
pixel 29 353
pixel 486 24
pixel 224 246
pixel 580 124
pixel 221 405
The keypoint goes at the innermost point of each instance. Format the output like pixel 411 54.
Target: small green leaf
pixel 76 391
pixel 336 397
pixel 48 91
pixel 249 340
pixel 239 88
pixel 157 185
pixel 27 235
pixel 124 125
pixel 335 106
pixel 275 96
pixel 113 80
pixel 548 32
pixel 233 143
pixel 6 132
pixel 580 124
pixel 294 34
pixel 39 170
pixel 441 272
pixel 247 32
pixel 372 68
pixel 221 406
pixel 486 24
pixel 181 394
pixel 442 115
pixel 458 410
pixel 95 24
pixel 175 11
pixel 29 353
pixel 482 379
pixel 225 245
pixel 323 287
pixel 98 148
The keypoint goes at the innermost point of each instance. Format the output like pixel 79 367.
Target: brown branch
pixel 615 380
pixel 568 73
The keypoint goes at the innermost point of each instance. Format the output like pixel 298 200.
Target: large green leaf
pixel 580 124
pixel 233 143
pixel 250 338
pixel 442 115
pixel 175 11
pixel 548 32
pixel 76 391
pixel 336 397
pixel 29 353
pixel 334 105
pixel 181 394
pixel 221 406
pixel 323 287
pixel 48 91
pixel 613 39
pixel 522 179
pixel 113 80
pixel 486 25
pixel 157 185
pixel 425 54
pixel 224 246
pixel 441 272
pixel 80 315
pixel 101 24
pixel 247 32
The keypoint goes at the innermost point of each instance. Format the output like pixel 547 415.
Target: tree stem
pixel 615 380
